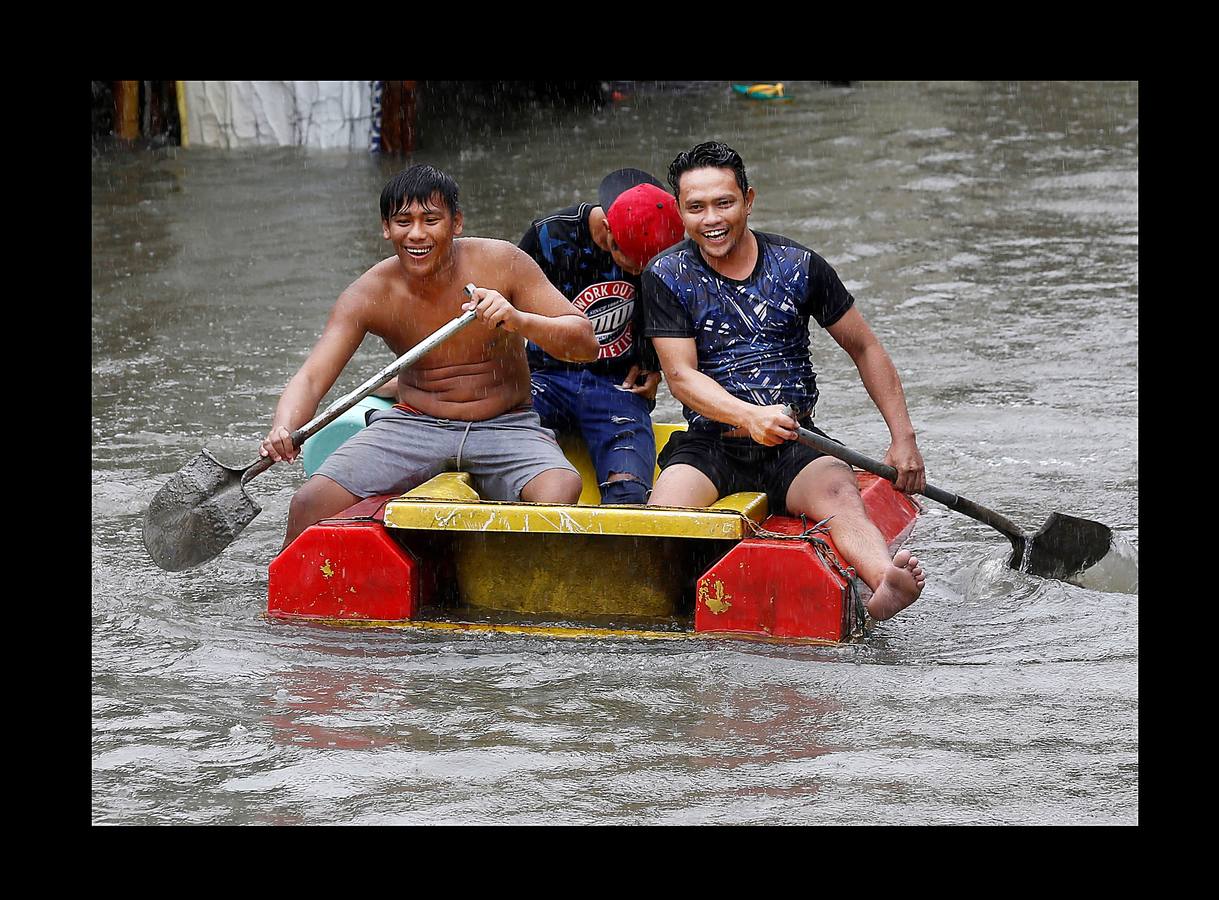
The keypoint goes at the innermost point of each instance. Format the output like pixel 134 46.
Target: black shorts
pixel 740 463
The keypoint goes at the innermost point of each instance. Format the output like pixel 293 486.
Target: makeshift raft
pixel 441 557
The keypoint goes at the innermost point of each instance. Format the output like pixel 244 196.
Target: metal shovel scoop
pixel 1063 548
pixel 205 505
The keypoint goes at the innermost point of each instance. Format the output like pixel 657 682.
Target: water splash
pixel 1116 573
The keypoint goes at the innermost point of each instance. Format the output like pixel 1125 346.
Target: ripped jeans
pixel 616 426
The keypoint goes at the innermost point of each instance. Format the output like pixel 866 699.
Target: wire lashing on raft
pixel 812 535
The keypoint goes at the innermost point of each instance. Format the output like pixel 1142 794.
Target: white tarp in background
pixel 323 114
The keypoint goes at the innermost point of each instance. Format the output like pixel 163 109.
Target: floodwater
pixel 990 234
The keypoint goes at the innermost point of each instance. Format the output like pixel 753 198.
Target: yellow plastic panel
pixel 542 518
pixel 748 503
pixel 446 486
pixel 571 575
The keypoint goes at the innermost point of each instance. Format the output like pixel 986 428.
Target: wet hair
pixel 708 154
pixel 418 184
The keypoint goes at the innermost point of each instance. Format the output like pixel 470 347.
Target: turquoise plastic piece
pixel 330 438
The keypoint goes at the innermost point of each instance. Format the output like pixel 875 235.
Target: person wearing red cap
pixel 593 253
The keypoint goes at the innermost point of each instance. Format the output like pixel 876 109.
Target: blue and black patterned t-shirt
pixel 752 336
pixel 562 245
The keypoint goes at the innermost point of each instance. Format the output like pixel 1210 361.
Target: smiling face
pixel 715 213
pixel 422 235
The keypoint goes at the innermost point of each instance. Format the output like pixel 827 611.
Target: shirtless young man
pixel 466 405
pixel 727 311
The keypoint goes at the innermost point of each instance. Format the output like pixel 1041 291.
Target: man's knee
pixel 823 481
pixel 623 487
pixel 304 501
pixel 553 486
pixel 318 498
pixel 683 485
pixel 834 476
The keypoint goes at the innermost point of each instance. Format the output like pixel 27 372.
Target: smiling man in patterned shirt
pixel 728 310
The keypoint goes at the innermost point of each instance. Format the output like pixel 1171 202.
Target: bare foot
pixel 901 585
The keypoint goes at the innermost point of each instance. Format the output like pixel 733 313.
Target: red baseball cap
pixel 642 215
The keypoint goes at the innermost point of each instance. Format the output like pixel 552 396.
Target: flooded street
pixel 989 233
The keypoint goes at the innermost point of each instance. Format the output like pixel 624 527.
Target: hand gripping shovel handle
pixel 953 501
pixel 347 401
pixel 204 506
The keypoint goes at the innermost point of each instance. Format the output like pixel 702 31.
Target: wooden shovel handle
pixel 955 502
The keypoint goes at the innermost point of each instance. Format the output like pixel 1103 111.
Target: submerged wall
pixel 322 114
pixel 377 116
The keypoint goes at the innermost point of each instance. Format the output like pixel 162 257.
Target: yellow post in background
pixel 181 89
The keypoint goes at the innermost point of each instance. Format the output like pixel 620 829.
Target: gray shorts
pixel 400 450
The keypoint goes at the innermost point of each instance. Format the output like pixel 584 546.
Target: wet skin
pixel 715 215
pixel 479 373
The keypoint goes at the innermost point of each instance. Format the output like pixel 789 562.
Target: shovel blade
pixel 1066 546
pixel 197 513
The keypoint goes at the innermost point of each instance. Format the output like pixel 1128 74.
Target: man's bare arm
pixel 299 401
pixel 884 386
pixel 535 309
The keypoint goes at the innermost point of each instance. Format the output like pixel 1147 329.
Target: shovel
pixel 1063 548
pixel 204 505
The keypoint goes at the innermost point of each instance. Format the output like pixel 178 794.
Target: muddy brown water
pixel 989 232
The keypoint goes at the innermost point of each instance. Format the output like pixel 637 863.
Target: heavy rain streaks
pixel 989 231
